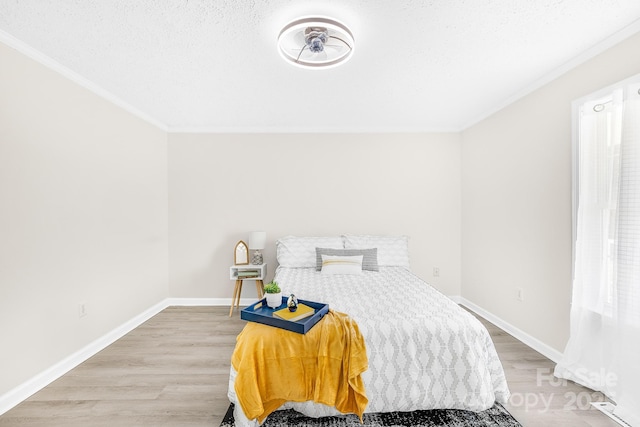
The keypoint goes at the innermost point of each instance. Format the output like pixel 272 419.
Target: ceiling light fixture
pixel 316 42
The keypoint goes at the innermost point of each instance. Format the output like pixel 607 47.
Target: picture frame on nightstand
pixel 241 253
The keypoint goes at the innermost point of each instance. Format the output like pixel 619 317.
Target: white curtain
pixel 603 352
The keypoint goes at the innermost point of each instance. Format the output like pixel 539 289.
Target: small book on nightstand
pixel 248 274
pixel 302 312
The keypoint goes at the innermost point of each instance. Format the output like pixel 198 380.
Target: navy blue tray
pixel 264 314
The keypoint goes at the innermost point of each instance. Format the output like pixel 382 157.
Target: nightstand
pixel 239 273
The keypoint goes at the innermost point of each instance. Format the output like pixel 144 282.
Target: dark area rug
pixel 494 416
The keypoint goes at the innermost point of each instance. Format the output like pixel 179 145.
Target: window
pixel 605 311
pixel 607 202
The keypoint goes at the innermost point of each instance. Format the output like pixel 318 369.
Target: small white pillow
pixel 337 264
pixel 369 256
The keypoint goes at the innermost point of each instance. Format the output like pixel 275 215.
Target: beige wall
pixel 516 200
pixel 83 217
pixel 221 187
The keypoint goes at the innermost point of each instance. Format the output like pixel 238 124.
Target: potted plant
pixel 273 294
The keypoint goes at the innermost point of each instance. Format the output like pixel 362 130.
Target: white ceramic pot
pixel 274 300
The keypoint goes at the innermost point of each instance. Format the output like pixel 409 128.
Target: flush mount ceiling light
pixel 316 42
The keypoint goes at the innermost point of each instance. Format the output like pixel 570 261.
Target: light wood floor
pixel 537 398
pixel 173 371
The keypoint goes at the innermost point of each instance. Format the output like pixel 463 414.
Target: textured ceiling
pixel 213 65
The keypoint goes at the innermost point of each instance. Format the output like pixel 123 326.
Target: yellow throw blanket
pixel 324 365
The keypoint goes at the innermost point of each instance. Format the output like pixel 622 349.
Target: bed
pixel 424 351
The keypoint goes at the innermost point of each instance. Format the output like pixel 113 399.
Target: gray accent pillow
pixel 369 256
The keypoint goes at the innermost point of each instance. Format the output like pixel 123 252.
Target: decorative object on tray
pixel 495 416
pixel 292 302
pixel 257 242
pixel 274 294
pixel 241 253
pixel 259 312
pixel 293 316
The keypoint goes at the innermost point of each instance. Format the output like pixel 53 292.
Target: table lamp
pixel 257 241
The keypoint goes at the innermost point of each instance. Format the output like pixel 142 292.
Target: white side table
pixel 239 273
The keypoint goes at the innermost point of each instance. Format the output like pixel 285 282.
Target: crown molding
pixel 590 53
pixel 78 79
pixel 295 130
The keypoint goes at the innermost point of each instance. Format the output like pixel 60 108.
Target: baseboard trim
pixel 456 298
pixel 46 377
pixel 211 302
pixel 542 348
pixel 28 388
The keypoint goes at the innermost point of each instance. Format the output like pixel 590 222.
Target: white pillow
pixel 369 256
pixel 341 264
pixel 393 251
pixel 300 252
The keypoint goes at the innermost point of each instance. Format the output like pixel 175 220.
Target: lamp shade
pixel 257 240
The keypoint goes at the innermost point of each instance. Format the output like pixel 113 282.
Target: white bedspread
pixel 425 352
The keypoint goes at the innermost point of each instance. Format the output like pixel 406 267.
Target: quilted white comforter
pixel 425 352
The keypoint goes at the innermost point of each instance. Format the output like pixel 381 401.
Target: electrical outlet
pixel 82 309
pixel 520 294
pixel 436 272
